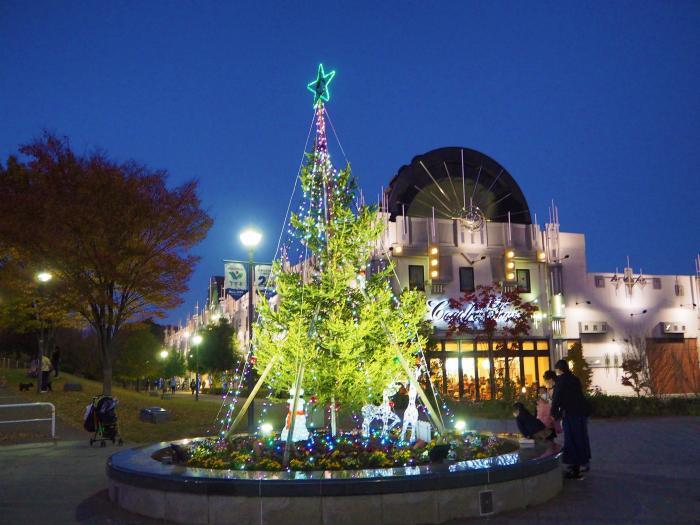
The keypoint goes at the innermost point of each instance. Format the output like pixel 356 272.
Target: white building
pixel 467 211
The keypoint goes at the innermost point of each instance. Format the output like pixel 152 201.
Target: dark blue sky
pixel 593 104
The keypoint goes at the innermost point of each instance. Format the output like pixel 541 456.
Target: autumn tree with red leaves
pixel 492 312
pixel 112 233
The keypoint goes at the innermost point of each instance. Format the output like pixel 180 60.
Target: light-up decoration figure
pixel 410 416
pixel 382 412
pixel 300 433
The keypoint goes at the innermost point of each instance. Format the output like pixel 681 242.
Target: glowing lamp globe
pixel 266 428
pixel 163 354
pixel 460 426
pixel 250 238
pixel 44 277
pixel 196 339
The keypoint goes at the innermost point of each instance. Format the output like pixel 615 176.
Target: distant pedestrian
pixel 45 376
pixel 56 360
pixel 173 385
pixel 571 406
pixel 193 386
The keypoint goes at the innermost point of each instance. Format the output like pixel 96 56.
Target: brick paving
pixel 644 471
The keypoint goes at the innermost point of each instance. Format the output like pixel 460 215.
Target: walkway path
pixel 645 471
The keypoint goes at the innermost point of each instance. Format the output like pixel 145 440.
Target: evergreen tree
pixel 338 322
pixel 579 366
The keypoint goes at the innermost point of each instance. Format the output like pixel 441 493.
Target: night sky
pixel 596 106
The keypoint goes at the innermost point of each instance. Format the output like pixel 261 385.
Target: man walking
pixel 570 405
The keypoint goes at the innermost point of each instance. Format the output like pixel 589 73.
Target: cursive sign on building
pixel 441 314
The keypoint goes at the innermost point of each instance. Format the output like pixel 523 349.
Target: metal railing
pixel 21 405
pixel 8 362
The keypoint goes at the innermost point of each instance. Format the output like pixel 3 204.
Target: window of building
pixel 528 345
pixel 451 346
pixel 678 288
pixel 416 277
pixel 452 371
pixel 466 279
pixel 523 280
pixel 469 377
pixel 543 366
pixel 530 372
pixel 656 282
pixel 599 281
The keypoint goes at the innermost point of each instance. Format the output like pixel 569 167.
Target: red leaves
pixel 493 309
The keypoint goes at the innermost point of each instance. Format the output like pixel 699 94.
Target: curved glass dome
pixel 457 183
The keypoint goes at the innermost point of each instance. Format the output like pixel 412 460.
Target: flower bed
pixel 344 452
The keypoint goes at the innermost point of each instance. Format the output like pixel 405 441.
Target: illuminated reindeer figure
pixel 410 416
pixel 382 412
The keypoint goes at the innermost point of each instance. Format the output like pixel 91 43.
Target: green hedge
pixel 603 406
pixel 619 406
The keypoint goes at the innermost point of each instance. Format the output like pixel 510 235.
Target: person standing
pixel 571 407
pixel 173 384
pixel 45 374
pixel 193 386
pixel 56 360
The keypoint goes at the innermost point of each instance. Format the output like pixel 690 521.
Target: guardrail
pixel 8 362
pixel 20 405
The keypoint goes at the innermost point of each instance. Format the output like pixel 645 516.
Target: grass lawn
pixel 187 417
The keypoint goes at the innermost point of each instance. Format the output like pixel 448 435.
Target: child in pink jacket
pixel 544 411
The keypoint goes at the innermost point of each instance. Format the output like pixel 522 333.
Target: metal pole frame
pixel 251 378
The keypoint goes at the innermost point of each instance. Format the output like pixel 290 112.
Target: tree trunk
pixel 105 343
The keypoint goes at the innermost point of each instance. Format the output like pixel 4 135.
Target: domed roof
pixel 453 182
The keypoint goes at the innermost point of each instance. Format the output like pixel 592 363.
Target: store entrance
pixel 475 370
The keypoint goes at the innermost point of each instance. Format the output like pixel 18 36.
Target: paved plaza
pixel 644 471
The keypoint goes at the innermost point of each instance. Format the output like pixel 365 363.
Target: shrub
pixel 605 406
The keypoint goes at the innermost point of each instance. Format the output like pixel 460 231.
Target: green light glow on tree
pixel 338 321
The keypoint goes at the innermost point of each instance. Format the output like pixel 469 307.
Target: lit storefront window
pixel 484 383
pixel 529 371
pixel 452 371
pixel 543 366
pixel 464 369
pixel 469 377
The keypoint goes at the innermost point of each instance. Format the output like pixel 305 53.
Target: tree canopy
pixel 338 323
pixel 112 233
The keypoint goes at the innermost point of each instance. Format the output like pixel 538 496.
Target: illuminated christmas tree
pixel 339 331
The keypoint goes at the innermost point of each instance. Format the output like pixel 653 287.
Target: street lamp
pixel 163 354
pixel 250 239
pixel 42 277
pixel 196 341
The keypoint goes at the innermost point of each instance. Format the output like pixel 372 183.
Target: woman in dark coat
pixel 570 405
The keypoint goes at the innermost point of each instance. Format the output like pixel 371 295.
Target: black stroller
pixel 101 418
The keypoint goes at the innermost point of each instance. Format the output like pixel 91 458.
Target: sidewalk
pixel 644 471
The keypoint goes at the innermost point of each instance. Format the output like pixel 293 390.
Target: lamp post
pixel 196 341
pixel 42 277
pixel 250 239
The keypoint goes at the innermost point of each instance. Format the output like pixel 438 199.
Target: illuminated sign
pixel 441 314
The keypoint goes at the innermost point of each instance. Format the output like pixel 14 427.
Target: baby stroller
pixel 101 418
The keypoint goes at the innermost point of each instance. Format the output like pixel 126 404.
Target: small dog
pixel 25 386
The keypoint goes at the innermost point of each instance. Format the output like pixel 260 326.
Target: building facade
pixel 456 219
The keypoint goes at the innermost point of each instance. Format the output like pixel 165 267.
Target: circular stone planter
pixel 426 494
